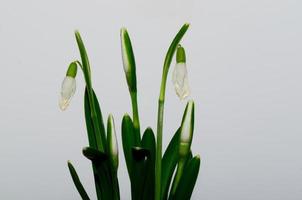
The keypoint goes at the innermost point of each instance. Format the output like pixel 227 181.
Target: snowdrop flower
pixel 113 147
pixel 128 60
pixel 180 74
pixel 186 130
pixel 68 87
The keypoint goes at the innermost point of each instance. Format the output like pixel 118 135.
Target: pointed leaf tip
pixel 77 182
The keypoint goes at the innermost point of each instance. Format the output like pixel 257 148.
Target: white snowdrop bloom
pixel 180 74
pixel 67 91
pixel 180 80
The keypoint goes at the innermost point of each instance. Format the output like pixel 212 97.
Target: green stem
pixel 161 102
pixel 136 123
pixel 178 174
pixel 115 186
pixel 159 149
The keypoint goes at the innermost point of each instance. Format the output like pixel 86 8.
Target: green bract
pixel 72 70
pixel 153 176
pixel 180 54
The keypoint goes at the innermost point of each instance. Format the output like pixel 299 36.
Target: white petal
pixel 67 91
pixel 63 103
pixel 180 80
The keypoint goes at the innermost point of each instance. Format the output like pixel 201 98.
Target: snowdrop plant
pixel 153 175
pixel 102 150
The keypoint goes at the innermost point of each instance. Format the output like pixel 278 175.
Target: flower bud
pixel 187 128
pixel 128 60
pixel 112 142
pixel 68 87
pixel 180 74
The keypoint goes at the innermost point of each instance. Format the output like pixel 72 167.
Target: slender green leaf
pixel 148 142
pixel 104 179
pixel 77 182
pixel 169 163
pixel 143 159
pixel 189 158
pixel 94 135
pixel 129 141
pixel 85 61
pixel 103 172
pixel 182 163
pixel 188 180
pixel 140 160
pixel 113 156
pixel 89 123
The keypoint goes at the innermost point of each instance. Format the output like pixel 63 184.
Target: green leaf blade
pixel 95 136
pixel 140 161
pixel 77 182
pixel 169 162
pixel 148 142
pixel 102 171
pixel 84 58
pixel 129 141
pixel 188 180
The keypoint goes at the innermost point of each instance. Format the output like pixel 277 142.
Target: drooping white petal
pixel 67 91
pixel 180 80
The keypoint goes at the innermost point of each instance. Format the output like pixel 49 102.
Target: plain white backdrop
pixel 244 63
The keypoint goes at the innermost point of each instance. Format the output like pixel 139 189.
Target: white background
pixel 244 62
